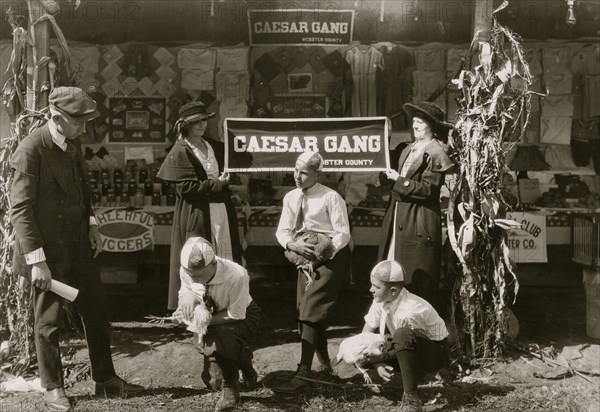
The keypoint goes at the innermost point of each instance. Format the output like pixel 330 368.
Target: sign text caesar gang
pixel 359 144
pixel 300 26
pixel 300 144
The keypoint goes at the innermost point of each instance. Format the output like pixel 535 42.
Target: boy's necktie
pixel 385 321
pixel 300 215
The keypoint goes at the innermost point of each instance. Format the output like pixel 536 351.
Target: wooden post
pixel 40 34
pixel 482 19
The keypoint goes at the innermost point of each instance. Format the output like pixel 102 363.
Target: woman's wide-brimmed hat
pixel 191 113
pixel 194 112
pixel 431 113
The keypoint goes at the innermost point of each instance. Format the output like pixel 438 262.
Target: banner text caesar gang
pixel 299 144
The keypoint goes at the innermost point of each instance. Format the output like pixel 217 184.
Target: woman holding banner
pixel 412 223
pixel 203 207
pixel 314 210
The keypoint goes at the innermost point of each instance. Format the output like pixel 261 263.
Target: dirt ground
pixel 163 359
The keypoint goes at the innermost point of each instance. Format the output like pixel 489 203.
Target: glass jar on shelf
pixel 139 198
pixel 117 175
pixel 148 187
pixel 110 198
pixel 132 187
pixel 105 187
pixel 156 198
pixel 96 196
pixel 118 187
pixel 143 175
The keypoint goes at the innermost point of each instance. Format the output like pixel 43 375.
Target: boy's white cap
pixel 196 254
pixel 388 271
pixel 309 156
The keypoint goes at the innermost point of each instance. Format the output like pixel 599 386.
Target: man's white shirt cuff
pixel 36 256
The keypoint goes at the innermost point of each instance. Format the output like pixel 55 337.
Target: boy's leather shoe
pixel 230 396
pixel 410 403
pixel 116 386
pixel 57 401
pixel 295 385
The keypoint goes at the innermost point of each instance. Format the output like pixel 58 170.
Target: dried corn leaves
pixel 15 294
pixel 493 101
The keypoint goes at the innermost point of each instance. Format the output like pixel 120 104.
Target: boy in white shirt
pixel 224 286
pixel 313 207
pixel 418 334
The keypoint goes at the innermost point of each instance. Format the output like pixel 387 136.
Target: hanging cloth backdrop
pixel 347 145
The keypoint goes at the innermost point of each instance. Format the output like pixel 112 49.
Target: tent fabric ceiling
pixel 168 21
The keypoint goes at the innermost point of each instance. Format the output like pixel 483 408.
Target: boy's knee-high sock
pixel 309 340
pixel 230 370
pixel 321 347
pixel 409 368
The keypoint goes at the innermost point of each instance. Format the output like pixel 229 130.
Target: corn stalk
pixel 16 312
pixel 493 103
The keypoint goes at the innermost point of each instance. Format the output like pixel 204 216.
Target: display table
pixel 258 229
pixel 257 226
pixel 365 227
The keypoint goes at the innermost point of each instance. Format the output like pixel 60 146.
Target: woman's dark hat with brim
pixel 430 112
pixel 191 113
pixel 194 112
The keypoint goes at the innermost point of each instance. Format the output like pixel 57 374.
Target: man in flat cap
pixel 56 234
pixel 417 334
pixel 224 286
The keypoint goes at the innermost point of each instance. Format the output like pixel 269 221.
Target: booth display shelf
pixel 258 229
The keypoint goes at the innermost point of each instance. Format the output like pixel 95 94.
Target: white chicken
pixel 356 348
pixel 201 318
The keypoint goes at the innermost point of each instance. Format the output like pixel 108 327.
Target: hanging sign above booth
pixel 347 145
pixel 300 27
pixel 124 230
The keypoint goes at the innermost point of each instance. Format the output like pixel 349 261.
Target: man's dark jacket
pixel 51 204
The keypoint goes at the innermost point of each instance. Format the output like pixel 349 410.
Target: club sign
pixel 124 230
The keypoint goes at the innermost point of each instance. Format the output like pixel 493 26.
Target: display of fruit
pixel 552 199
pixel 591 201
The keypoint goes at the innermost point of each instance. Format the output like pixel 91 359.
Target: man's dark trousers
pixel 51 208
pixel 91 305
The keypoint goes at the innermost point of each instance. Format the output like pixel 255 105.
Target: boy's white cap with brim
pixel 306 157
pixel 388 271
pixel 196 254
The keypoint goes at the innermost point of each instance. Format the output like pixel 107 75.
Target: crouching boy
pixel 417 334
pixel 223 287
